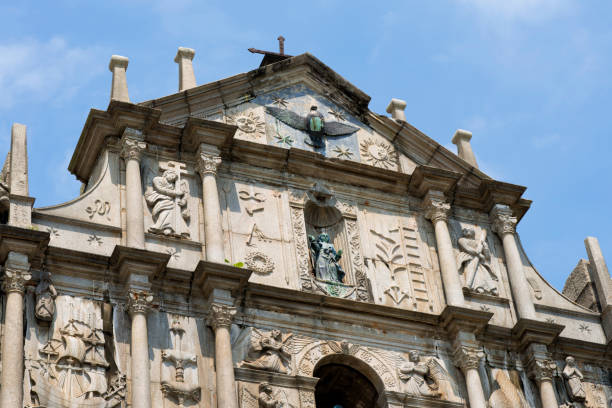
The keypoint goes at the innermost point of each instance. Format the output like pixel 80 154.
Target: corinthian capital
pixel 502 220
pixel 435 206
pixel 139 301
pixel 16 273
pixel 466 357
pixel 542 370
pixel 132 144
pixel 208 164
pixel 220 315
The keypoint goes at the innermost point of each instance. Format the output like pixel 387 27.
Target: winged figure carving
pixel 314 124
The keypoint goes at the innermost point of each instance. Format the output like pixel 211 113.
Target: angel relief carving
pixel 421 378
pixel 167 196
pixel 269 351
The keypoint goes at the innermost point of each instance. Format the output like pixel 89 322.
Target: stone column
pixel 139 303
pixel 542 372
pixel 119 90
pixel 503 224
pixel 468 360
pixel 16 274
pixel 208 162
pixel 132 146
pixel 436 210
pixel 184 57
pixel 220 319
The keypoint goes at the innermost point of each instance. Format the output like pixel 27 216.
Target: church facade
pixel 267 241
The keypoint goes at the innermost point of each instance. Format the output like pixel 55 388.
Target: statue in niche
pixel 325 258
pixel 573 378
pixel 115 396
pixel 45 298
pixel 270 350
pixel 167 195
pixel 421 378
pixel 474 262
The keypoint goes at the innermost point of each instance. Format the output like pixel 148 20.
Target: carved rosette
pixel 15 279
pixel 468 358
pixel 208 164
pixel 220 315
pixel 132 148
pixel 502 221
pixel 259 263
pixel 542 370
pixel 436 208
pixel 139 301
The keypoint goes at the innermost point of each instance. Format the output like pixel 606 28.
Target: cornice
pixel 23 240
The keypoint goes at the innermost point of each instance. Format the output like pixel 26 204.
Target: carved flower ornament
pixel 259 263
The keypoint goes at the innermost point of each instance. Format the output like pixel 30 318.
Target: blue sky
pixel 529 78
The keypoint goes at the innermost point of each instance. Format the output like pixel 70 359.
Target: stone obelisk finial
pixel 281 45
pixel 184 57
pixel 396 109
pixel 119 90
pixel 464 148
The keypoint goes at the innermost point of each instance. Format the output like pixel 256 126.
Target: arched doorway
pixel 347 382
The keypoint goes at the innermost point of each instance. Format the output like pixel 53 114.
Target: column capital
pixel 436 207
pixel 208 163
pixel 16 273
pixel 132 144
pixel 139 301
pixel 542 369
pixel 502 220
pixel 220 315
pixel 468 357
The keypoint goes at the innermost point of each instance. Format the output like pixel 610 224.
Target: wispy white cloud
pixel 520 10
pixel 34 70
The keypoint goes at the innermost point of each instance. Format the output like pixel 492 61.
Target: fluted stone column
pixel 16 274
pixel 208 162
pixel 184 58
pixel 220 319
pixel 436 210
pixel 543 372
pixel 503 224
pixel 132 146
pixel 468 360
pixel 139 303
pixel 119 90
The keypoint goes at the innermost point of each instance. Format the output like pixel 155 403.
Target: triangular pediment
pixel 294 85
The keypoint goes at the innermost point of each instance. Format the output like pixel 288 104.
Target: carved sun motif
pixel 378 154
pixel 249 124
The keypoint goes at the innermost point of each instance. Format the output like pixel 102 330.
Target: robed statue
pixel 45 298
pixel 167 195
pixel 474 262
pixel 573 378
pixel 325 258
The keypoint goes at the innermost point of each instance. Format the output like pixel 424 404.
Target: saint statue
pixel 325 258
pixel 417 378
pixel 271 352
pixel 573 378
pixel 474 262
pixel 45 298
pixel 167 197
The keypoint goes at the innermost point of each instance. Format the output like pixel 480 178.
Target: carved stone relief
pixel 269 351
pixel 267 397
pixel 45 298
pixel 507 392
pixel 396 261
pixel 573 380
pixel 99 207
pixel 250 125
pixel 167 196
pixel 115 396
pixel 474 263
pixel 179 380
pixel 259 263
pixel 71 367
pixel 378 154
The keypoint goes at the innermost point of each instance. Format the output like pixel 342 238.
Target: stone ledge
pixel 27 241
pixel 275 379
pixel 529 331
pixel 456 318
pixel 211 275
pixel 133 261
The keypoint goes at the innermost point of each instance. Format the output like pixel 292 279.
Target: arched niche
pixel 317 211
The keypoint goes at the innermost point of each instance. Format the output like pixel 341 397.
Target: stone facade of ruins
pixel 268 241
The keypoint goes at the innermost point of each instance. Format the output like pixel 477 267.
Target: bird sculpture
pixel 313 124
